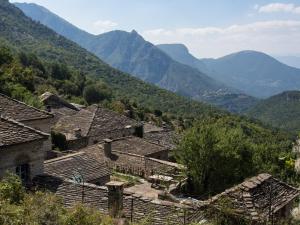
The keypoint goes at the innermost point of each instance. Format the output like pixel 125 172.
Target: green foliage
pixel 11 189
pixel 80 215
pixel 60 72
pixel 5 56
pixel 95 93
pixel 220 152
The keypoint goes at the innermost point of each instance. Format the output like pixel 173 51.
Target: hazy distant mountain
pixel 252 72
pixel 293 61
pixel 130 53
pixel 255 73
pixel 282 110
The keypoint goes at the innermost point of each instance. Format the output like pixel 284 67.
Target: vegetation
pixel 242 147
pixel 282 111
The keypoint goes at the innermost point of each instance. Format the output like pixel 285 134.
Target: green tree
pixel 5 56
pixel 95 93
pixel 221 152
pixel 60 71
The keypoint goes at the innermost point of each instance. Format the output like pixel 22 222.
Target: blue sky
pixel 210 28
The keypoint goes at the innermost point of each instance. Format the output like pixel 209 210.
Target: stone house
pixel 93 124
pixel 58 106
pixel 259 199
pixel 22 149
pixel 28 115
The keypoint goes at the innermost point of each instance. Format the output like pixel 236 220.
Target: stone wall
pixel 31 153
pixel 142 166
pixel 43 125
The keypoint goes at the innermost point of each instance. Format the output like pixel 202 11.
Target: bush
pixel 11 189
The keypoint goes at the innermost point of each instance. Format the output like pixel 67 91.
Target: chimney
pixel 115 198
pixel 77 132
pixel 107 147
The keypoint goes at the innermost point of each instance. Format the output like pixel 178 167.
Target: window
pixel 23 172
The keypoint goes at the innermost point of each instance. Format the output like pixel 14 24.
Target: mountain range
pixel 129 52
pixel 173 67
pixel 20 33
pixel 255 73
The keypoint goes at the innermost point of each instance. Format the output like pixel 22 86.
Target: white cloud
pixel 279 7
pixel 101 26
pixel 273 37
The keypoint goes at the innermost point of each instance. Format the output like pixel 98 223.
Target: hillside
pixel 255 73
pixel 130 53
pixel 21 33
pixel 281 111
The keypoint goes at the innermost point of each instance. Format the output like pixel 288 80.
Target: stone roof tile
pixel 253 196
pixel 19 111
pixel 67 167
pixel 13 132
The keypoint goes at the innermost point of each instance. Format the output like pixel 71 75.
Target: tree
pixel 5 56
pixel 221 152
pixel 95 93
pixel 60 71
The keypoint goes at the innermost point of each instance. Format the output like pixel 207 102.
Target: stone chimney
pixel 107 147
pixel 77 133
pixel 115 198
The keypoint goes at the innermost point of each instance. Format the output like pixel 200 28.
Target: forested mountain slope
pixel 21 33
pixel 129 52
pixel 282 110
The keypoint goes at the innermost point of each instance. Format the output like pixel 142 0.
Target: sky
pixel 209 28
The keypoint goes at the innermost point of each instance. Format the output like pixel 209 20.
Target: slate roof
pixel 136 145
pixel 157 211
pixel 12 133
pixel 106 120
pixel 251 199
pixel 55 101
pixel 93 121
pixel 69 166
pixel 19 111
pixel 164 138
pixel 68 124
